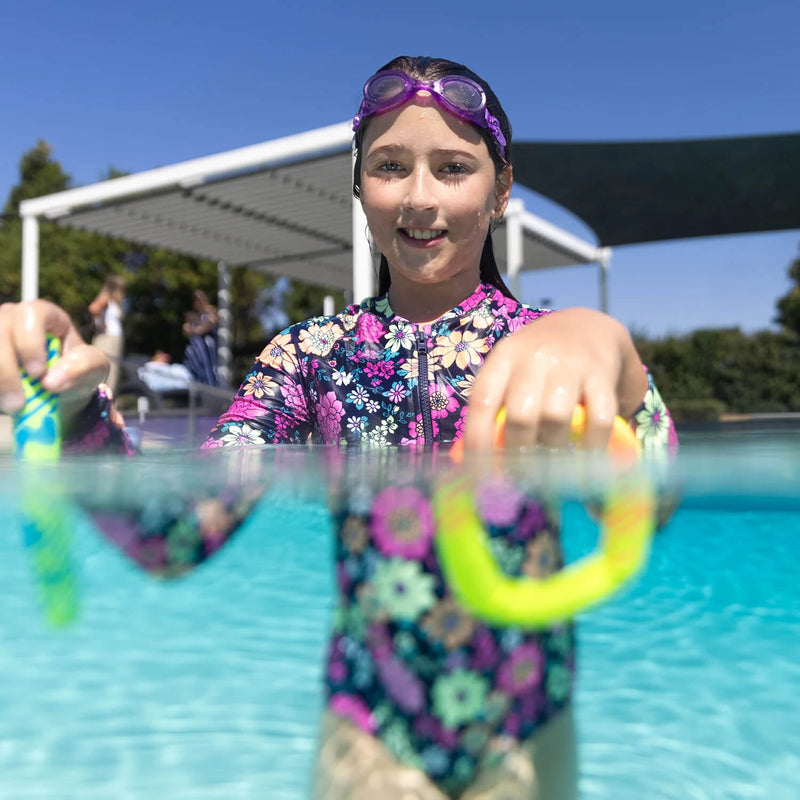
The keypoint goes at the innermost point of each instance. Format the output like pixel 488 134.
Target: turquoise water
pixel 208 687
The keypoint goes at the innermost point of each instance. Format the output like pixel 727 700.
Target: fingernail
pixel 12 401
pixel 34 367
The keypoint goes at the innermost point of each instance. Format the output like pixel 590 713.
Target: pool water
pixel 686 682
pixel 208 687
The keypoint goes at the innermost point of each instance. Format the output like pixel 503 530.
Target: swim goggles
pixel 460 96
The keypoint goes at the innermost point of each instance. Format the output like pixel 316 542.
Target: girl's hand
pixel 543 370
pixel 24 328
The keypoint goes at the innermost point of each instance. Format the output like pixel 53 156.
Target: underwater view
pixel 209 686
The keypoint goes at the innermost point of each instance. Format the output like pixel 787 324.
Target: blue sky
pixel 141 85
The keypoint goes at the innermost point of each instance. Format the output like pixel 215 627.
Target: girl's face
pixel 429 189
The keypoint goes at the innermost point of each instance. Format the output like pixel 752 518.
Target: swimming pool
pixel 207 687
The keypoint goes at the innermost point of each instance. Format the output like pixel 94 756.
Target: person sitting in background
pixel 161 375
pixel 200 327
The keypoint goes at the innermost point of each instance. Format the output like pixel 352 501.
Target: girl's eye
pixel 454 169
pixel 389 166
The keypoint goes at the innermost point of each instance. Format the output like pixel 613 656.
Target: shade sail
pixel 648 191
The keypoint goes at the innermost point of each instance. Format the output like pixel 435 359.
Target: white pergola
pixel 284 206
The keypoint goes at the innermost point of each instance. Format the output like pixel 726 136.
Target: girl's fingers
pixel 523 404
pixel 600 402
pixel 31 324
pixel 80 368
pixel 557 405
pixel 485 401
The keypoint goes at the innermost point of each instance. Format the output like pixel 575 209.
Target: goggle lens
pixel 384 88
pixel 466 96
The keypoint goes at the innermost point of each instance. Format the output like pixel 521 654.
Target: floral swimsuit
pixel 406 663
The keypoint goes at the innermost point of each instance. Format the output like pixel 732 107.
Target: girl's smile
pixel 423 236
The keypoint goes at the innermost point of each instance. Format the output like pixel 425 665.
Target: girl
pixel 423 701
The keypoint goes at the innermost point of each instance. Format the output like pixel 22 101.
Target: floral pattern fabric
pixel 442 690
pixel 369 377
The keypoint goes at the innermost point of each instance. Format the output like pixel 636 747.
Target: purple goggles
pixel 459 96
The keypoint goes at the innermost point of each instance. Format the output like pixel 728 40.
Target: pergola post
pixel 602 265
pixel 30 258
pixel 514 244
pixel 224 331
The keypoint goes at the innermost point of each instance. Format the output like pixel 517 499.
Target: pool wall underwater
pixel 208 687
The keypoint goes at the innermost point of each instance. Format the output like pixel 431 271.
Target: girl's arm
pixel 99 304
pixel 273 404
pixel 170 536
pixel 210 317
pixel 167 537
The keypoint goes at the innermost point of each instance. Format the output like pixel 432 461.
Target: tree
pixel 39 175
pixel 788 306
pixel 74 264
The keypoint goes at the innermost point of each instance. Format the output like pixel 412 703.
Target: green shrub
pixel 704 410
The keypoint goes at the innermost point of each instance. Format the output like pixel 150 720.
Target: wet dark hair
pixel 431 69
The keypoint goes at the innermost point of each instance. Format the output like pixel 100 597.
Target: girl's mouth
pixel 423 235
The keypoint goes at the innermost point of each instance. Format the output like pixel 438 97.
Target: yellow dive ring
pixel 474 578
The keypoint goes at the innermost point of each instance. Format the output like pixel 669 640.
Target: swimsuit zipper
pixel 424 395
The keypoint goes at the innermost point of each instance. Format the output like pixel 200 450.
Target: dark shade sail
pixel 645 191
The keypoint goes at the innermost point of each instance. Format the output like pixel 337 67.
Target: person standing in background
pixel 106 310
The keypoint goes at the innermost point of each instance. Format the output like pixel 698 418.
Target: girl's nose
pixel 421 191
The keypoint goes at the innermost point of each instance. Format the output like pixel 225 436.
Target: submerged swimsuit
pixel 406 663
